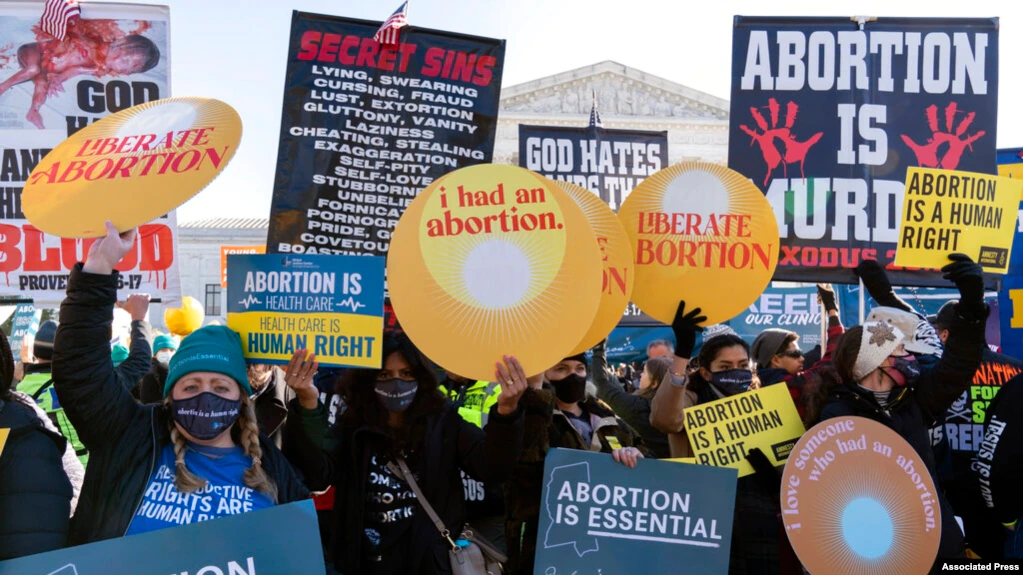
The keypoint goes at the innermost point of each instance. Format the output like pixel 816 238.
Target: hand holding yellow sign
pixel 723 432
pixel 945 211
pixel 616 259
pixel 131 167
pixel 700 233
pixel 492 260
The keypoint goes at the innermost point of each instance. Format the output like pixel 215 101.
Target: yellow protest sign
pixel 231 250
pixel 701 233
pixel 722 432
pixel 1011 170
pixel 494 260
pixel 856 494
pixel 3 439
pixel 946 211
pixel 616 261
pixel 131 167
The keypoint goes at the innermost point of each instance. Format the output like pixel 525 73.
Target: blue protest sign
pixel 25 323
pixel 331 306
pixel 600 516
pixel 282 539
pixel 1010 304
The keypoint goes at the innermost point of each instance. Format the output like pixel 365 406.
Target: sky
pixel 236 51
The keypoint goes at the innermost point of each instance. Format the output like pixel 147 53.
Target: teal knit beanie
pixel 164 342
pixel 214 348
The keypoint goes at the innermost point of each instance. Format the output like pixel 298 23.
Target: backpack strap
pixel 42 388
pixel 402 470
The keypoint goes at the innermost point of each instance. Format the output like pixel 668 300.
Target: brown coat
pixel 667 412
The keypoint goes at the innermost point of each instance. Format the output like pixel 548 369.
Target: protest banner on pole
pixel 366 127
pixel 485 261
pixel 947 211
pixel 231 250
pixel 836 110
pixel 609 163
pixel 700 233
pixel 76 92
pixel 723 432
pixel 330 306
pixel 616 262
pixel 651 519
pixel 247 543
pixel 846 493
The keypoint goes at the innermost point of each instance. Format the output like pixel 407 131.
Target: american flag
pixel 595 121
pixel 388 32
pixel 56 16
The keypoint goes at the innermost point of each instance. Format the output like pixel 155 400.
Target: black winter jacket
pixel 35 493
pixel 913 409
pixel 449 444
pixel 124 438
pixel 272 406
pixel 631 408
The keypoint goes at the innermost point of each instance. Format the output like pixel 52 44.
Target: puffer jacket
pixel 35 493
pixel 913 409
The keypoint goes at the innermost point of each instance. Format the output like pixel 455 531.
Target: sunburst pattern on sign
pixel 529 287
pixel 721 267
pixel 136 177
pixel 862 513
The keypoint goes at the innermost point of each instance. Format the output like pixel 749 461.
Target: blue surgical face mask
pixel 732 381
pixel 207 415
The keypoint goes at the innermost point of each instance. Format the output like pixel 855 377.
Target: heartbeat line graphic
pixel 251 300
pixel 349 303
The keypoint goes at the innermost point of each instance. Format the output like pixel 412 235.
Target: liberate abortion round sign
pixel 494 260
pixel 700 233
pixel 131 167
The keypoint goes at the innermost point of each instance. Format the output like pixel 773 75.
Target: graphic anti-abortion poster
pixel 116 56
pixel 366 127
pixel 827 115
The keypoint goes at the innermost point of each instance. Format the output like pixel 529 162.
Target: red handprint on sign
pixel 927 154
pixel 792 150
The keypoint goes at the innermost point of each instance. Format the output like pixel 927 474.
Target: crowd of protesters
pixel 104 437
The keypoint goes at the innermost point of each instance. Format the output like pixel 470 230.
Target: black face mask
pixel 396 395
pixel 572 389
pixel 906 368
pixel 732 381
pixel 206 415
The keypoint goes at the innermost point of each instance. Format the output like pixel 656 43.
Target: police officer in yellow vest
pixel 484 503
pixel 38 383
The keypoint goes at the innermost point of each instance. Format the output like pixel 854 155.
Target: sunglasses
pixel 794 354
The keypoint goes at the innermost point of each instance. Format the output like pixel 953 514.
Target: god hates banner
pixel 650 519
pixel 330 306
pixel 827 115
pixel 609 163
pixel 117 56
pixel 366 127
pixel 243 544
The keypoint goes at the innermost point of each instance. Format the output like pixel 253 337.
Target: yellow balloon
pixel 185 319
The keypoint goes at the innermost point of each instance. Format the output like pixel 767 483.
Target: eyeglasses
pixel 794 353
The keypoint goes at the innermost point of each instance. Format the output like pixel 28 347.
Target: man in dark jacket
pixel 959 435
pixel 905 397
pixel 999 464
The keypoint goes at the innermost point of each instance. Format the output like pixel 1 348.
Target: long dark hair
pixel 709 352
pixel 6 370
pixel 656 368
pixel 364 409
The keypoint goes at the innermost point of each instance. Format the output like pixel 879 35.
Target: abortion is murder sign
pixel 836 111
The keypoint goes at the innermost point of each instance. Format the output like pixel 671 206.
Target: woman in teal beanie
pixel 195 456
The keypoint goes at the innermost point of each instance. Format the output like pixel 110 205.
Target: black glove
pixel 969 279
pixel 766 475
pixel 826 293
pixel 685 325
pixel 876 281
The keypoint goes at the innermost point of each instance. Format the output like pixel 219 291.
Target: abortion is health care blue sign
pixel 245 544
pixel 598 516
pixel 330 306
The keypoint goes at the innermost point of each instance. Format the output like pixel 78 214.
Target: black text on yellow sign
pixel 946 211
pixel 723 432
